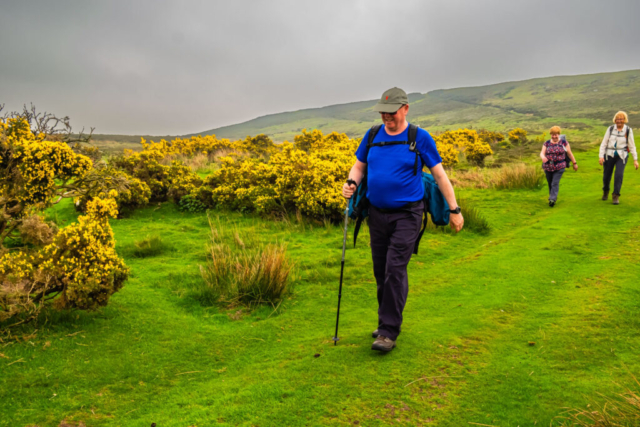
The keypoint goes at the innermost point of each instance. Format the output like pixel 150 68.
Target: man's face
pixel 393 122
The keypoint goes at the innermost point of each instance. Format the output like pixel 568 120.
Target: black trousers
pixel 393 236
pixel 610 164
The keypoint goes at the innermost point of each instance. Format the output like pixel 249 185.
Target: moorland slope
pixel 582 103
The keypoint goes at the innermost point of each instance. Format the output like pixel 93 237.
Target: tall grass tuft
pixel 620 410
pixel 518 176
pixel 473 220
pixel 148 247
pixel 508 177
pixel 241 270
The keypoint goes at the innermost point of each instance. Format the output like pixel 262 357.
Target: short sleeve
pixel 361 152
pixel 427 148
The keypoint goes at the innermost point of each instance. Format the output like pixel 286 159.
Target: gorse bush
pixel 80 267
pixel 187 147
pixel 191 203
pixel 291 180
pixel 77 266
pixel 518 136
pixel 132 192
pixel 450 143
pixel 490 137
pixel 255 175
pixel 239 270
pixel 165 182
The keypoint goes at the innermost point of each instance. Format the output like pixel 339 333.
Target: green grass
pixel 564 278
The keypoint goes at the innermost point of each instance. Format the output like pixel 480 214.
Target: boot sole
pixel 383 349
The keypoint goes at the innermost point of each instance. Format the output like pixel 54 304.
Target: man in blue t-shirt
pixel 395 216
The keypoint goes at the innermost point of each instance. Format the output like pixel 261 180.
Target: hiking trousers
pixel 611 163
pixel 393 237
pixel 553 180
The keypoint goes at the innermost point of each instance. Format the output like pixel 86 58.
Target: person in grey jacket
pixel 616 146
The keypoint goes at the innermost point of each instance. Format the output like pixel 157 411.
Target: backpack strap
pixel 411 137
pixel 425 219
pixel 356 230
pixel 413 133
pixel 384 143
pixel 411 141
pixel 372 134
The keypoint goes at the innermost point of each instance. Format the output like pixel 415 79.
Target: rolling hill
pixel 582 104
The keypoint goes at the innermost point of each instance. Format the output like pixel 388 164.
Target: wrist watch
pixel 455 211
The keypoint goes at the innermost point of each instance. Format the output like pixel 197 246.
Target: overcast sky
pixel 177 67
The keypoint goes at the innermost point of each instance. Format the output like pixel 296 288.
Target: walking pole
pixel 344 246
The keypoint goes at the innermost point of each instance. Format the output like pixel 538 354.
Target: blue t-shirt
pixel 391 183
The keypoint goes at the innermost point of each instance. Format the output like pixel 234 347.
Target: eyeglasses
pixel 395 112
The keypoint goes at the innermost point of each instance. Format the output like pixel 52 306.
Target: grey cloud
pixel 164 67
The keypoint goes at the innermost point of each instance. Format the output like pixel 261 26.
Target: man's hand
pixel 635 163
pixel 456 221
pixel 601 161
pixel 348 188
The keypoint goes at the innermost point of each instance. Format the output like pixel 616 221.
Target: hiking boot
pixel 605 195
pixel 375 334
pixel 552 203
pixel 383 343
pixel 615 199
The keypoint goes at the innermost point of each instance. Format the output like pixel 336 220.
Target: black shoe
pixel 552 203
pixel 375 334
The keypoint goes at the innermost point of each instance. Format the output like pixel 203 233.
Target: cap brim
pixel 386 108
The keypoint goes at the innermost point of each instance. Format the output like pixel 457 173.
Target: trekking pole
pixel 344 246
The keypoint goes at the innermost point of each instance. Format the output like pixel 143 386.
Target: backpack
pixel 435 203
pixel 626 135
pixel 567 159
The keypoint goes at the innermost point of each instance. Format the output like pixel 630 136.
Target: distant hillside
pixel 582 105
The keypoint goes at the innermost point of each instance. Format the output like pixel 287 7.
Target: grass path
pixel 565 278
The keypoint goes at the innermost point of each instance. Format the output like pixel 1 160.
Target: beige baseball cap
pixel 391 101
